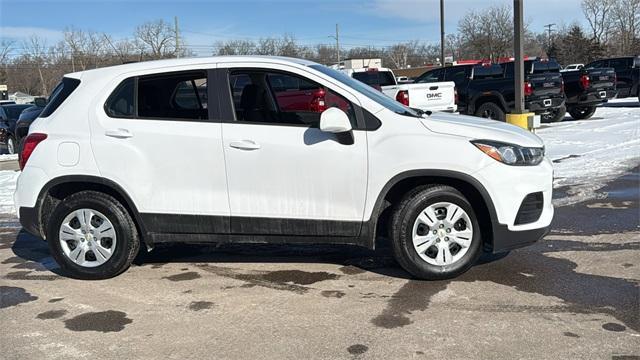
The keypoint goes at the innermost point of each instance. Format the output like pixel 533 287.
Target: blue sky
pixel 374 22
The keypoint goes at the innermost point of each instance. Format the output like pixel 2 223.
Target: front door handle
pixel 244 145
pixel 119 133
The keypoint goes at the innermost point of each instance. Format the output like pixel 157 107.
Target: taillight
pixel 585 81
pixel 318 103
pixel 455 95
pixel 403 97
pixel 528 89
pixel 29 146
pixel 562 86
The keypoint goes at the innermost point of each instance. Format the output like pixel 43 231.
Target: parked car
pixel 586 89
pixel 98 179
pixel 27 117
pixel 627 72
pixel 439 96
pixel 9 115
pixel 572 67
pixel 487 90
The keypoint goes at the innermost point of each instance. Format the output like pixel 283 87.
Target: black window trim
pixel 231 118
pixel 210 110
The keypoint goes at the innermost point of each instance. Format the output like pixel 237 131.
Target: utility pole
pixel 175 18
pixel 338 45
pixel 337 38
pixel 549 30
pixel 442 32
pixel 518 32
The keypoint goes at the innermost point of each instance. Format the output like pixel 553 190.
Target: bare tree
pixel 488 33
pixel 156 39
pixel 626 17
pixel 598 15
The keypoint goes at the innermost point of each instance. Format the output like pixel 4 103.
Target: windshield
pixel 367 91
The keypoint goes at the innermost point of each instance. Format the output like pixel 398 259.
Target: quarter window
pixel 121 102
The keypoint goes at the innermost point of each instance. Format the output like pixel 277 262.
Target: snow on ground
pixel 586 154
pixel 589 153
pixel 7 157
pixel 7 187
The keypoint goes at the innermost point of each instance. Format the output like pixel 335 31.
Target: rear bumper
pixel 538 106
pixel 505 239
pixel 592 98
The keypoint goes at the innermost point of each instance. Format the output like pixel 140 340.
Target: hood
pixel 476 128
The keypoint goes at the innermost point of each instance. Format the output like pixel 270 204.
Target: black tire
pixel 492 111
pixel 127 240
pixel 12 145
pixel 582 112
pixel 555 115
pixel 404 216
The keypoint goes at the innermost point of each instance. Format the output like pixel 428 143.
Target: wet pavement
pixel 575 294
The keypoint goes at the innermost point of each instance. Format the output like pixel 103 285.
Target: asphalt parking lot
pixel 573 295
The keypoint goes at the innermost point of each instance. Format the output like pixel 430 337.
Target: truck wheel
pixel 92 236
pixel 435 233
pixel 492 111
pixel 555 115
pixel 582 112
pixel 11 145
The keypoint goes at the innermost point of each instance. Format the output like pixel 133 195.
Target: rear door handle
pixel 119 133
pixel 244 145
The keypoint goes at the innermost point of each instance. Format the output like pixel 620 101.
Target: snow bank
pixel 7 187
pixel 589 153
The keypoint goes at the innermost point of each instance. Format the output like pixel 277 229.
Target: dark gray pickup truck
pixel 585 89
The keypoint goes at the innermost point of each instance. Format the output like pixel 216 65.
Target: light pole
pixel 442 32
pixel 337 38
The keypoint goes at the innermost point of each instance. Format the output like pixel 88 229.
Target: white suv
pixel 265 149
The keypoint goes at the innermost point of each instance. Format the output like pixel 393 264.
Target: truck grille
pixel 530 209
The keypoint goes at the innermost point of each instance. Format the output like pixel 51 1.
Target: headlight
pixel 511 154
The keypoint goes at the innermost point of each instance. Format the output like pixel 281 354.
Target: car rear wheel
pixel 582 112
pixel 435 233
pixel 92 236
pixel 490 110
pixel 555 115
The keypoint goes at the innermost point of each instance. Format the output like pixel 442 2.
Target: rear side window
pixel 488 72
pixel 173 96
pixel 621 64
pixel 375 78
pixel 59 94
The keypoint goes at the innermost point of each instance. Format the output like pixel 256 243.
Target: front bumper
pixel 508 186
pixel 506 240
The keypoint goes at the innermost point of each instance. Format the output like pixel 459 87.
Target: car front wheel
pixel 92 236
pixel 11 145
pixel 435 233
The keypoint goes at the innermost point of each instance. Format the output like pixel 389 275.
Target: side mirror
pixel 334 120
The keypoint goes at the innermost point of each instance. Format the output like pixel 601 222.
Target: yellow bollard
pixel 525 121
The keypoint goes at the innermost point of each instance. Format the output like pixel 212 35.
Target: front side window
pixel 282 98
pixel 173 96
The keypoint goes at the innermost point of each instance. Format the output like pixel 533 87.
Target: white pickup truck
pixel 439 96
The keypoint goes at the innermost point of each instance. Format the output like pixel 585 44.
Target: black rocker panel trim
pixel 211 224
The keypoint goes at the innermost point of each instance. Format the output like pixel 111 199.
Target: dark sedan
pixel 26 118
